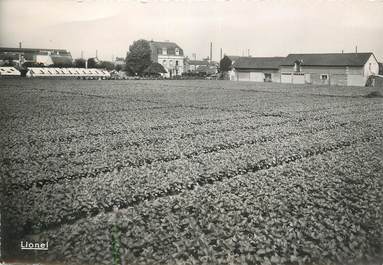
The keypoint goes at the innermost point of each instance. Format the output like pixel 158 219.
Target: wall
pixel 341 76
pixel 172 67
pixel 256 75
pixel 372 69
pixel 45 59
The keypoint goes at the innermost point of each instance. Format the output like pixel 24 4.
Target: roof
pixel 170 47
pixel 32 50
pixel 328 59
pixel 258 62
pixel 198 62
pixel 233 57
pixel 74 72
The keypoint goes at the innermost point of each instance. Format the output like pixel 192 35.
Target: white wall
pixel 371 67
pixel 168 67
pixel 45 59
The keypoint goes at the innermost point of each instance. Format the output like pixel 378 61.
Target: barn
pixel 258 69
pixel 344 69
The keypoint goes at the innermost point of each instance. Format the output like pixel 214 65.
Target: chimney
pixel 220 57
pixel 356 49
pixel 97 54
pixel 211 52
pixel 342 51
pixel 20 44
pixel 248 52
pixel 194 56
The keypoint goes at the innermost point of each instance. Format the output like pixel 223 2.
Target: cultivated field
pixel 191 172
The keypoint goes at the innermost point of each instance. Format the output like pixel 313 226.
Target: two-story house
pixel 169 55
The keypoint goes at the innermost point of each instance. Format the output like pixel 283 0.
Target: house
pixel 258 69
pixel 41 56
pixel 169 55
pixel 345 69
pixel 9 72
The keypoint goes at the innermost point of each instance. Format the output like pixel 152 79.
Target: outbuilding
pixel 258 69
pixel 344 69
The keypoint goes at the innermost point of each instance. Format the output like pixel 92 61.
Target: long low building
pixel 345 69
pixel 67 72
pixel 6 71
pixel 258 69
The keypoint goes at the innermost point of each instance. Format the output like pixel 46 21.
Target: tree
pixel 107 65
pixel 93 63
pixel 138 58
pixel 155 69
pixel 225 64
pixel 79 63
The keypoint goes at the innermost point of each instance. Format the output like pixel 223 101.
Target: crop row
pixel 324 209
pixel 118 155
pixel 68 201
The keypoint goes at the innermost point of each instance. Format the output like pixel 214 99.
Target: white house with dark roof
pixel 345 69
pixel 257 69
pixel 169 55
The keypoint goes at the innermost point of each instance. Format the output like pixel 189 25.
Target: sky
pixel 260 27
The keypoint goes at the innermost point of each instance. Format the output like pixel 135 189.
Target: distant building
pixel 169 55
pixel 192 65
pixel 258 69
pixel 345 69
pixel 41 56
pixel 201 66
pixel 119 61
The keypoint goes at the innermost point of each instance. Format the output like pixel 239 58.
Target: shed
pixel 258 69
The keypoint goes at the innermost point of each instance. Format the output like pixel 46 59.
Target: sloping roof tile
pixel 258 62
pixel 328 59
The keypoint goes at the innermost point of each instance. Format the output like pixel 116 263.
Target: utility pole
pixel 220 57
pixel 211 52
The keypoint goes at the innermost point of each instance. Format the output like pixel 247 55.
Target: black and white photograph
pixel 191 132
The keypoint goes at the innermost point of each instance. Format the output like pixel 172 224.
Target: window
pixel 171 62
pixel 164 62
pixel 324 77
pixel 369 66
pixel 164 51
pixel 176 63
pixel 177 51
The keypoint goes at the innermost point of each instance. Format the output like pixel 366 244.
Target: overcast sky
pixel 266 27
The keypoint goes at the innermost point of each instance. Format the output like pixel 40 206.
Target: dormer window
pixel 164 51
pixel 177 51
